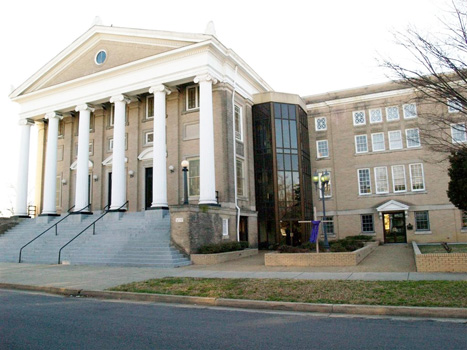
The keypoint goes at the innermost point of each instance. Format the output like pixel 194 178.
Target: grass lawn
pixel 402 293
pixel 456 248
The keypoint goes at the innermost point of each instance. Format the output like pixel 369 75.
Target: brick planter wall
pixel 439 262
pixel 211 259
pixel 320 259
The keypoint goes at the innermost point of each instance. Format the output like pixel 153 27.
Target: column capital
pixel 25 122
pixel 84 107
pixel 52 115
pixel 120 98
pixel 159 88
pixel 205 77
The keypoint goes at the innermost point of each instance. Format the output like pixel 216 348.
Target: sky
pixel 304 47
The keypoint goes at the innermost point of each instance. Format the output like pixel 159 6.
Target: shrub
pixel 348 244
pixel 222 247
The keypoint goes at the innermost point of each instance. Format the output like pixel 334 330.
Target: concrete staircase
pixel 121 239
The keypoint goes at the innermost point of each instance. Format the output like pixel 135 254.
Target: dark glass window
pixel 422 221
pixel 367 223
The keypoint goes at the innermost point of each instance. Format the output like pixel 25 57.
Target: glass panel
pixel 280 162
pixel 292 112
pixel 150 113
pixel 294 162
pixel 277 111
pixel 293 134
pixel 288 186
pixel 285 133
pixel 280 186
pixel 193 175
pixel 287 164
pixel 285 111
pixel 278 133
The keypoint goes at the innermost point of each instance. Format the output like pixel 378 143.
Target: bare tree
pixel 438 78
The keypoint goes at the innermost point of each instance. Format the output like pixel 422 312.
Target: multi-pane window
pixel 148 137
pixel 416 177
pixel 458 133
pixel 464 219
pixel 367 223
pixel 377 141
pixel 398 178
pixel 381 179
pixel 327 187
pixel 193 177
pixel 112 115
pixel 376 115
pixel 410 110
pixel 454 106
pixel 150 107
pixel 192 97
pixel 110 144
pixel 240 179
pixel 422 221
pixel 395 139
pixel 392 113
pixel 359 118
pixel 238 123
pixel 328 224
pixel 322 148
pixel 364 182
pixel 361 144
pixel 413 138
pixel 320 124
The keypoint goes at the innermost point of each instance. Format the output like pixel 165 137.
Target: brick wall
pixel 441 262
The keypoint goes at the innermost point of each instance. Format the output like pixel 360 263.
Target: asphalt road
pixel 37 321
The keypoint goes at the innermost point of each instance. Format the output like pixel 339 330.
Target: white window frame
pixel 241 178
pixel 407 138
pixel 110 144
pixel 359 182
pixel 411 166
pixel 353 118
pixel 196 87
pixel 395 144
pixel 393 167
pixel 378 180
pixel 147 107
pixel 458 128
pixel 417 229
pixel 380 115
pixel 454 106
pixel 189 177
pixel 317 122
pixel 405 109
pixel 373 142
pixel 146 137
pixel 388 113
pixel 238 133
pixel 318 155
pixel 356 143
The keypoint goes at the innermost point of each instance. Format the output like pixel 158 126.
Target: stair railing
pixel 54 225
pixel 93 224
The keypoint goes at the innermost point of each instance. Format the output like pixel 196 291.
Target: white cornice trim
pixel 361 98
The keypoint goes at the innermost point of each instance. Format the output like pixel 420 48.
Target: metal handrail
pixel 54 225
pixel 93 224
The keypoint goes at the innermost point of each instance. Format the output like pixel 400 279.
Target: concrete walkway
pixel 393 263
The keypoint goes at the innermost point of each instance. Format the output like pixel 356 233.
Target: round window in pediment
pixel 101 57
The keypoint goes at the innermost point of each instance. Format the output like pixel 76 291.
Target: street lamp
pixel 185 181
pixel 324 182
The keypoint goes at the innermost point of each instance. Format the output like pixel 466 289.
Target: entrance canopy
pixel 392 206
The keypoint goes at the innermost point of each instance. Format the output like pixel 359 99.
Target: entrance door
pixel 148 187
pixel 109 189
pixel 394 228
pixel 243 229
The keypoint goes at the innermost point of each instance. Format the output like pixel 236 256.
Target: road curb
pixel 374 310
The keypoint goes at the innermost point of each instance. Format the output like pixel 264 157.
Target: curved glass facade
pixel 282 173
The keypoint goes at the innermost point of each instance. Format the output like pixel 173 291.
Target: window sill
pixel 368 233
pixel 388 151
pixel 188 111
pixel 323 158
pixel 392 194
pixel 423 232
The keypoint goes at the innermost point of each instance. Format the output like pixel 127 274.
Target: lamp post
pixel 324 182
pixel 185 181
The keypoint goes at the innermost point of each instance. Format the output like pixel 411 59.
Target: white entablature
pixel 183 57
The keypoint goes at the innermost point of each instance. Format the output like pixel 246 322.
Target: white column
pixel 118 158
pixel 23 169
pixel 207 174
pixel 51 164
pixel 159 167
pixel 82 167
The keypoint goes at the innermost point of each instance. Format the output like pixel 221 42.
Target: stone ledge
pixel 212 259
pixel 320 259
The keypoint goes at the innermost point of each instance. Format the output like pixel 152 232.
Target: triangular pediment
pixel 121 45
pixel 392 205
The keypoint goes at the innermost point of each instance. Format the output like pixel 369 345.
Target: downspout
pixel 235 155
